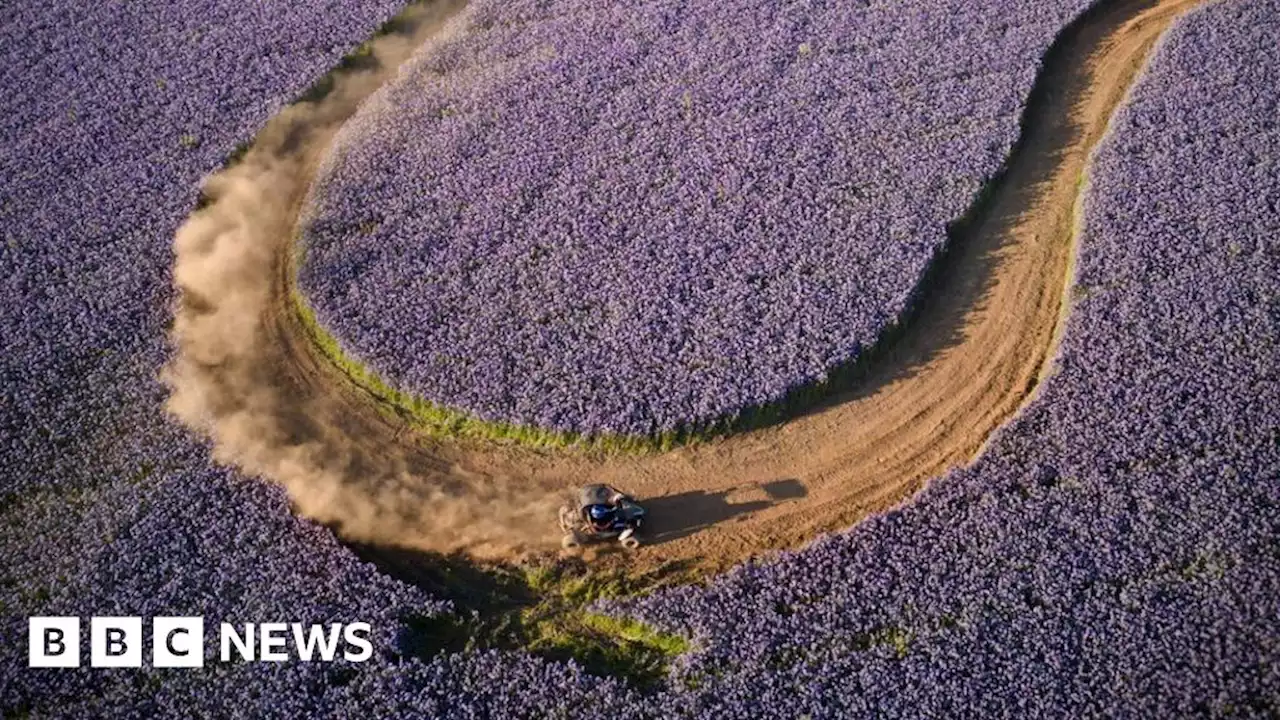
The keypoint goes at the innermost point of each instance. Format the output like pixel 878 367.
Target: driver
pixel 600 504
pixel 601 517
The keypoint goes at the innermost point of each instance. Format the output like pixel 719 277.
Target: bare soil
pixel 980 344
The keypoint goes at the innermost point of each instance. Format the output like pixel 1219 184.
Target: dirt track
pixel 983 338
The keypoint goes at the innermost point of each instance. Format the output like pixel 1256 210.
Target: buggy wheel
pixel 630 542
pixel 567 520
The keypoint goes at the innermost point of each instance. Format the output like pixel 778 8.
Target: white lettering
pixel 316 636
pixel 243 645
pixel 351 634
pixel 271 636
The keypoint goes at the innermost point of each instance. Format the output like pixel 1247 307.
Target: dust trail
pixel 229 380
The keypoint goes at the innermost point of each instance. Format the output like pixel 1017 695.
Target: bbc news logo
pixel 178 642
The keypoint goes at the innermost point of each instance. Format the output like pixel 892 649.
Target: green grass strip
pixel 547 610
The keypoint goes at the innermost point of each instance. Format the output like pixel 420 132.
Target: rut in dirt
pixel 972 353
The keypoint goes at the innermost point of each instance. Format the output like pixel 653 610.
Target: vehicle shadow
pixel 676 516
pixel 789 489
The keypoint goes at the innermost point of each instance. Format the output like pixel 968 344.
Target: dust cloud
pixel 235 375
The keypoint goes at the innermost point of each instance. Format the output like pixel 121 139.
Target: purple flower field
pixel 1116 551
pixel 630 221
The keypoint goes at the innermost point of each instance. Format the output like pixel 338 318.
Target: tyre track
pixel 975 351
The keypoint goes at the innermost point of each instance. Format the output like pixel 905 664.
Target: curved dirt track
pixel 982 339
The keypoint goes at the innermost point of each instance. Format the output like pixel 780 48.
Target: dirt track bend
pixel 982 340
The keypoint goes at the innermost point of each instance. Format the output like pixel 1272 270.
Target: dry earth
pixel 980 343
